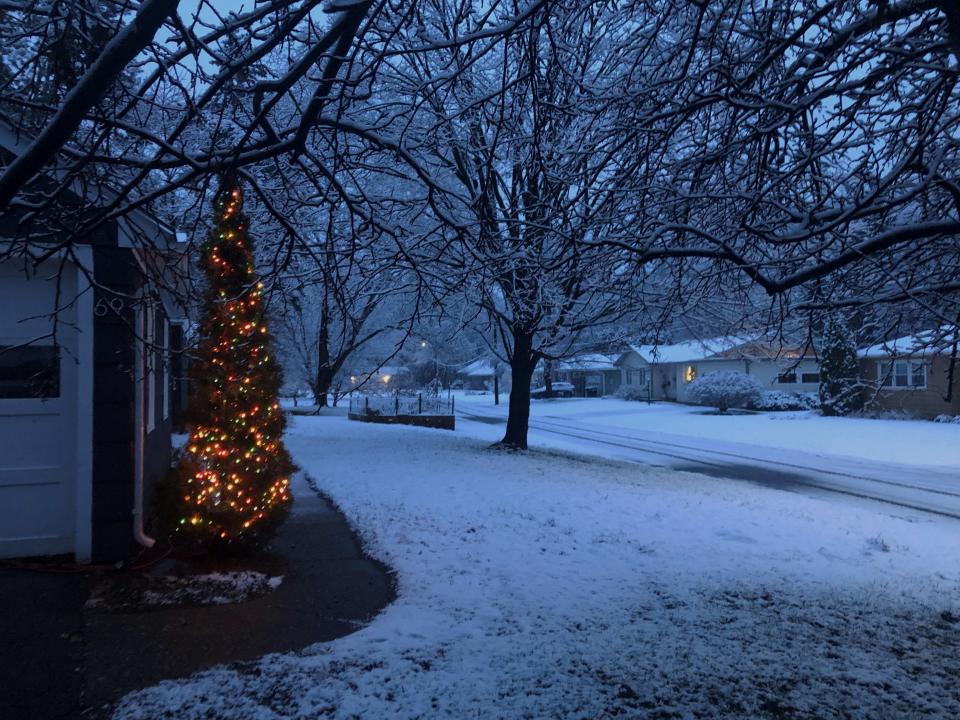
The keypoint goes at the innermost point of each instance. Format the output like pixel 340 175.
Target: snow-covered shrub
pixel 776 400
pixel 839 374
pixel 632 392
pixel 725 390
pixel 955 419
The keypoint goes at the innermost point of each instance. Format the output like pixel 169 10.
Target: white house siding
pixel 634 371
pixel 658 380
pixel 766 372
pixel 45 443
pixel 667 381
pixel 663 382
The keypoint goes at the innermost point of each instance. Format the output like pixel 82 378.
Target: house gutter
pixel 139 441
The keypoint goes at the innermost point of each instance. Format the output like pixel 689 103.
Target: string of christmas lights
pixel 234 477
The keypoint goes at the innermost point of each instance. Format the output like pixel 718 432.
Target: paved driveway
pixel 60 660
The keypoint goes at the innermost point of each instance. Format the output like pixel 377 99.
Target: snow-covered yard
pixel 905 442
pixel 548 586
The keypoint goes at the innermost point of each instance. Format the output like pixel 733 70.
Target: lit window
pixel 690 373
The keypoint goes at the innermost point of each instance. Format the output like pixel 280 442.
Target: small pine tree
pixel 233 480
pixel 839 376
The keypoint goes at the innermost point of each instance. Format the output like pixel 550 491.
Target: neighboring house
pixel 478 375
pixel 665 371
pixel 386 377
pixel 592 375
pixel 391 376
pixel 918 374
pixel 86 402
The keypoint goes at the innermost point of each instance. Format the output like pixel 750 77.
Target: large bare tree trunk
pixel 322 391
pixel 324 370
pixel 522 363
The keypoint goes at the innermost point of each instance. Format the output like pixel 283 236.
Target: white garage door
pixel 39 462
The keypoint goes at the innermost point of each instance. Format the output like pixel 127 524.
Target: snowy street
pixel 909 463
pixel 539 585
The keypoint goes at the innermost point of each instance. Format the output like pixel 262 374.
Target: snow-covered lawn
pixel 904 442
pixel 546 586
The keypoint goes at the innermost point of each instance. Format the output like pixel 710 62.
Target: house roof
pixel 132 225
pixel 477 368
pixel 590 361
pixel 924 343
pixel 725 347
pixel 692 350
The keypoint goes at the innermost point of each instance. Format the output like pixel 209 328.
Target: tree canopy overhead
pixel 559 163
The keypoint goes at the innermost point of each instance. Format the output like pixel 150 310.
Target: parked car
pixel 560 389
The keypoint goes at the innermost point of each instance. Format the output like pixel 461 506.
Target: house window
pixel 918 375
pixel 902 374
pixel 787 378
pixel 29 371
pixel 629 380
pixel 690 373
pixel 810 377
pixel 642 376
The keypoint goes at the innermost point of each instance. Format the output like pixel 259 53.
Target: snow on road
pixel 545 586
pixel 742 447
pixel 902 442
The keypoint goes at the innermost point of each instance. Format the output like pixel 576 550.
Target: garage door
pixel 38 410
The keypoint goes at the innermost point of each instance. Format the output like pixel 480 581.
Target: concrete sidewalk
pixel 62 661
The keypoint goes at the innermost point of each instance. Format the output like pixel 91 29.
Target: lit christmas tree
pixel 233 480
